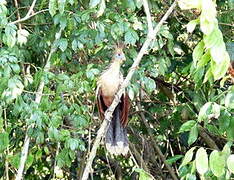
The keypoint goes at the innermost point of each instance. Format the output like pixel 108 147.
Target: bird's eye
pixel 119 54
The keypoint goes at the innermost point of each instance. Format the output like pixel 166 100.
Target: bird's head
pixel 119 54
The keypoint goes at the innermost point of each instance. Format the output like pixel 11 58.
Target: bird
pixel 108 84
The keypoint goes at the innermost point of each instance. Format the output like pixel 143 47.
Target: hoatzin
pixel 108 84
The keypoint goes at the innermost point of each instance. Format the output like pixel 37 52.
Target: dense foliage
pixel 182 98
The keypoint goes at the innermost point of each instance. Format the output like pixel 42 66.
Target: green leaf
pixel 15 68
pixel 218 52
pixel 4 141
pixel 198 52
pixel 74 45
pixel 52 7
pixel 191 177
pixel 193 134
pixel 219 69
pixel 139 3
pixel 10 35
pixel 15 160
pixel 166 33
pixel 204 60
pixel 205 111
pixel 227 149
pixel 207 27
pixel 29 161
pixel 102 8
pixel 185 4
pixel 201 161
pixel 129 4
pixel 229 100
pixel 143 175
pixel 117 30
pixel 217 163
pixel 61 5
pixel 131 93
pixel 208 75
pixel 73 144
pixel 173 159
pixel 229 130
pixel 188 157
pixel 62 22
pixel 94 3
pixel 71 2
pixel 149 84
pixel 131 37
pixel 38 154
pixel 214 38
pixel 230 163
pixel 208 19
pixel 62 44
pixel 191 25
pixel 187 126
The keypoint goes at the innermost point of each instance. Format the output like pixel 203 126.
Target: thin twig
pixel 139 158
pixel 18 14
pixel 108 114
pixel 29 16
pixel 25 148
pixel 226 24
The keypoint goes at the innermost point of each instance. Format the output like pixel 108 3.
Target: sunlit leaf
pixel 189 4
pixel 131 37
pixel 230 163
pixel 94 3
pixel 217 162
pixel 187 126
pixel 188 157
pixel 193 134
pixel 198 52
pixel 201 161
pixel 52 7
pixel 143 175
pixel 61 5
pixel 62 44
pixel 191 25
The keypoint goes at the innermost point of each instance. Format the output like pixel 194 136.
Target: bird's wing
pixel 101 106
pixel 125 106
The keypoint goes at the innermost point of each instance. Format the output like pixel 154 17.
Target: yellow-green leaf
pixel 217 162
pixel 230 163
pixel 201 161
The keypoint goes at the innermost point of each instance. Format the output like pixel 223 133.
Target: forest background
pixel 181 122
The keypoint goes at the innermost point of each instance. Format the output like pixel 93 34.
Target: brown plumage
pixel 108 84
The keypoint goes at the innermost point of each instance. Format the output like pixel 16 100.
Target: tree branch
pixel 148 16
pixel 208 140
pixel 108 113
pixel 29 14
pixel 24 153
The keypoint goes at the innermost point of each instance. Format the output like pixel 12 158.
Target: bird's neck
pixel 115 66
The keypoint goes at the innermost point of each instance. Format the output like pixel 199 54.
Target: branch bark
pixel 29 14
pixel 208 140
pixel 24 153
pixel 108 114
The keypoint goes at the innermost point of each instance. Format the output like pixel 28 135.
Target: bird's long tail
pixel 116 136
